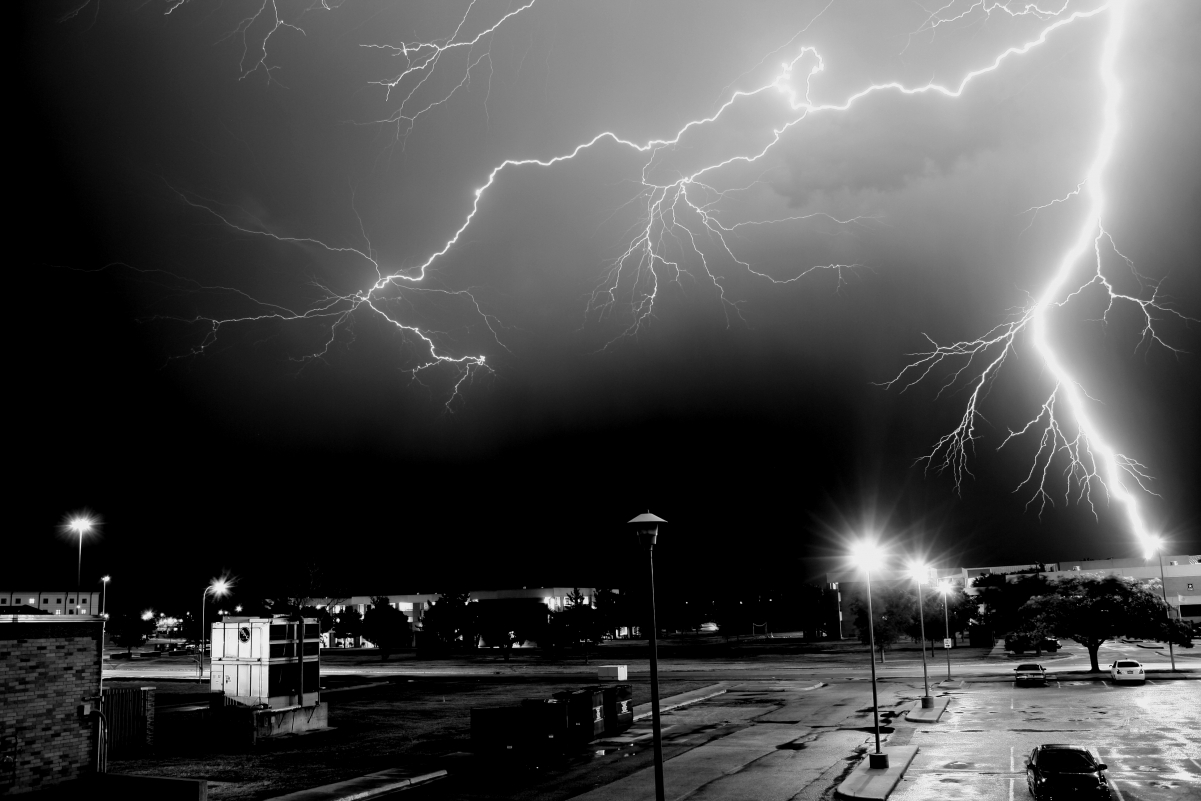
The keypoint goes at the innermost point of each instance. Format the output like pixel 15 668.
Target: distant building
pixel 415 606
pixel 56 603
pixel 1182 580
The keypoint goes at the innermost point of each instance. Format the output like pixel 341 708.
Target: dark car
pixel 1030 673
pixel 1065 771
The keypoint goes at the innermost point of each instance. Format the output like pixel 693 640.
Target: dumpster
pixel 496 730
pixel 544 724
pixel 585 713
pixel 619 707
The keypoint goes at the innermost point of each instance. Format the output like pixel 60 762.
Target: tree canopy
pixel 130 629
pixel 386 626
pixel 1092 609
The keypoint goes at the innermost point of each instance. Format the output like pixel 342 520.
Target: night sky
pixel 159 172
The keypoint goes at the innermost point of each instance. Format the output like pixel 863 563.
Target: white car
pixel 1127 670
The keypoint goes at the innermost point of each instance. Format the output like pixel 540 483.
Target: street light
pixel 646 526
pixel 104 595
pixel 945 588
pixel 921 575
pixel 1156 544
pixel 80 524
pixel 217 587
pixel 867 555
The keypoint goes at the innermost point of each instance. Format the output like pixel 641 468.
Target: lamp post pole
pixel 647 527
pixel 104 595
pixel 927 701
pixel 878 759
pixel 218 587
pixel 1163 586
pixel 946 620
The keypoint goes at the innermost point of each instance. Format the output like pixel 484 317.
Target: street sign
pixel 946 643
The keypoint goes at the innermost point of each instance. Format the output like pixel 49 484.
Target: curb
pixel 877 783
pixel 683 699
pixel 931 715
pixel 369 786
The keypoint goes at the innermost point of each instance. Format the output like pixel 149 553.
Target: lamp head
pixel 646 526
pixel 920 572
pixel 220 587
pixel 1151 545
pixel 867 554
pixel 105 579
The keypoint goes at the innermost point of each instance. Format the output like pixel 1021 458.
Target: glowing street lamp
pixel 647 528
pixel 1156 544
pixel 217 588
pixel 921 575
pixel 868 556
pixel 79 524
pixel 945 588
pixel 104 595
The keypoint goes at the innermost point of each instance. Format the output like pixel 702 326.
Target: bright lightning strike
pixel 684 226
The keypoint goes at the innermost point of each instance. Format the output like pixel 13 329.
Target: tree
pixel 1001 599
pixel 578 623
pixel 386 626
pixel 450 621
pixel 893 611
pixel 1092 609
pixel 130 629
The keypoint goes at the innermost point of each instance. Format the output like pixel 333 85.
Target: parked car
pixel 1030 673
pixel 1020 643
pixel 1127 670
pixel 1065 771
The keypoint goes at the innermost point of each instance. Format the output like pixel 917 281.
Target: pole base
pixel 877 761
pixel 927 702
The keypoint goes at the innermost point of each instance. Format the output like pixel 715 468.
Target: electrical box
pixel 255 661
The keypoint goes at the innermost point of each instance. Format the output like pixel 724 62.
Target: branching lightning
pixel 684 228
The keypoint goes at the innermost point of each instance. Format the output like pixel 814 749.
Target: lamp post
pixel 1157 544
pixel 921 574
pixel 217 587
pixel 80 524
pixel 104 595
pixel 945 587
pixel 867 556
pixel 646 526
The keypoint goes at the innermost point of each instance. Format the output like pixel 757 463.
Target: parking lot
pixel 1147 735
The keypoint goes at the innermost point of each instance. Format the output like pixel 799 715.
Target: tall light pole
pixel 1157 544
pixel 921 574
pixel 217 587
pixel 80 524
pixel 646 526
pixel 945 588
pixel 867 556
pixel 104 595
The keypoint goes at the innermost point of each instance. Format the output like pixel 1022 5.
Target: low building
pixel 50 682
pixel 63 602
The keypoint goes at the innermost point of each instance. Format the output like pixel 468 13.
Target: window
pixel 45 601
pixel 58 600
pixel 71 600
pixel 3 602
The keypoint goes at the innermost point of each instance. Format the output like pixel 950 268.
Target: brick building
pixel 49 667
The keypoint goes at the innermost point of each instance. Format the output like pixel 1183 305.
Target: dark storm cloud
pixel 765 408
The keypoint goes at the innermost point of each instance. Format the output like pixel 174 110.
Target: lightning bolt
pixel 1063 422
pixel 684 228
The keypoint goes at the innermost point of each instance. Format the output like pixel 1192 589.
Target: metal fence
pixel 130 717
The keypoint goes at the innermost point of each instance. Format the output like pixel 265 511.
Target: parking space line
pixel 1011 790
pixel 1011 767
pixel 1114 785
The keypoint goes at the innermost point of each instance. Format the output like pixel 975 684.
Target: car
pixel 1127 670
pixel 1020 643
pixel 1056 771
pixel 1030 673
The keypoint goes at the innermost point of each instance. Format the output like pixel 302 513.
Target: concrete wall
pixel 48 666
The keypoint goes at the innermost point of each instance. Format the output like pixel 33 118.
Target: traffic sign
pixel 946 643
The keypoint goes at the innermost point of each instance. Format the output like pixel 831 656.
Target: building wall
pixel 58 603
pixel 415 605
pixel 48 666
